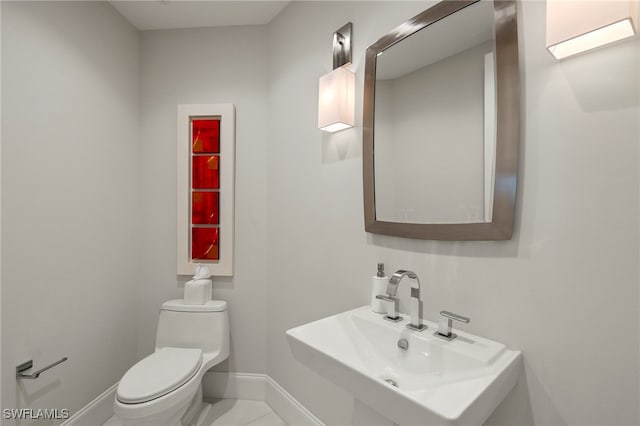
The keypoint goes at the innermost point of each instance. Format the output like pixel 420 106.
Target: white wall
pixel 0 217
pixel 564 290
pixel 70 180
pixel 223 65
pixel 55 72
pixel 81 191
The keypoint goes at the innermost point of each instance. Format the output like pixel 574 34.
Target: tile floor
pixel 232 412
pixel 238 412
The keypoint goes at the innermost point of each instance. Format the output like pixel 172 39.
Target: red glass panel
pixel 204 244
pixel 205 208
pixel 206 172
pixel 205 136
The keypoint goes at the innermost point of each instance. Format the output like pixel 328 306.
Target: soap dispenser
pixel 379 286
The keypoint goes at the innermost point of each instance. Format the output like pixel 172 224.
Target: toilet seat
pixel 158 374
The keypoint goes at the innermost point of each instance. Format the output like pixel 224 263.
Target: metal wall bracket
pixel 20 369
pixel 342 45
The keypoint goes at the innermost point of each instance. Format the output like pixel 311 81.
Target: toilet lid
pixel 158 374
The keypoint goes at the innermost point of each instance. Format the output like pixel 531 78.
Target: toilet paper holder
pixel 20 369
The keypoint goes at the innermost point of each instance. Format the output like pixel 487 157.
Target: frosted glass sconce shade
pixel 577 26
pixel 335 100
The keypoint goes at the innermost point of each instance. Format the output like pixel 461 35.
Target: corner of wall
pixel 1 405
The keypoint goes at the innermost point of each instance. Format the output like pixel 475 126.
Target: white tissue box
pixel 197 292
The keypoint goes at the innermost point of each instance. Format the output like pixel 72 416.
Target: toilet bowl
pixel 165 388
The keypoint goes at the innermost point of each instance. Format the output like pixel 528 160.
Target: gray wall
pixel 88 201
pixel 0 220
pixel 223 65
pixel 70 210
pixel 564 290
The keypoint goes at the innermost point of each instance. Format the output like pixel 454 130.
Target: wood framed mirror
pixel 441 124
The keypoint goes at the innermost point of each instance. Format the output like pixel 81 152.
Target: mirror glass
pixel 441 116
pixel 435 122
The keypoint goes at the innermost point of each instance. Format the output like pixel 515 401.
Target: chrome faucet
pixel 416 303
pixel 393 306
pixel 446 324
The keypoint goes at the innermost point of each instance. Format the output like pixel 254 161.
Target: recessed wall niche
pixel 205 182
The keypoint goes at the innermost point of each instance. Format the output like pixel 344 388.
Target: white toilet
pixel 165 388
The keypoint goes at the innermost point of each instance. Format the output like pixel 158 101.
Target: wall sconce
pixel 577 26
pixel 336 89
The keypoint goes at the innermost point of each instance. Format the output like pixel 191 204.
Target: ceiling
pixel 171 14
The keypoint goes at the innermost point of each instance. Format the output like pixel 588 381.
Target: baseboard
pixel 234 385
pixel 96 412
pixel 287 407
pixel 259 387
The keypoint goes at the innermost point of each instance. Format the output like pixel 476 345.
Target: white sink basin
pixel 435 382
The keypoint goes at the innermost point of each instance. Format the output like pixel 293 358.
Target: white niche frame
pixel 226 113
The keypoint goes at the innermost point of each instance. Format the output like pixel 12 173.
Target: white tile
pixel 271 419
pixel 232 412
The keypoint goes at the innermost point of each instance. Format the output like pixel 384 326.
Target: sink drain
pixel 392 382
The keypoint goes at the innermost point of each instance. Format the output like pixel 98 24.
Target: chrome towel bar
pixel 20 369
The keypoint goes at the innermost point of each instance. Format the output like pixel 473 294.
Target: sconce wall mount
pixel 336 88
pixel 342 46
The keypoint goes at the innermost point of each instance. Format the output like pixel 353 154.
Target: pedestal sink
pixel 432 382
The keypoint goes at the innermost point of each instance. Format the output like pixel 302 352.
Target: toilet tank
pixel 194 326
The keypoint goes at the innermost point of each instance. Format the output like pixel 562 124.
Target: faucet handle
pixel 393 306
pixel 446 322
